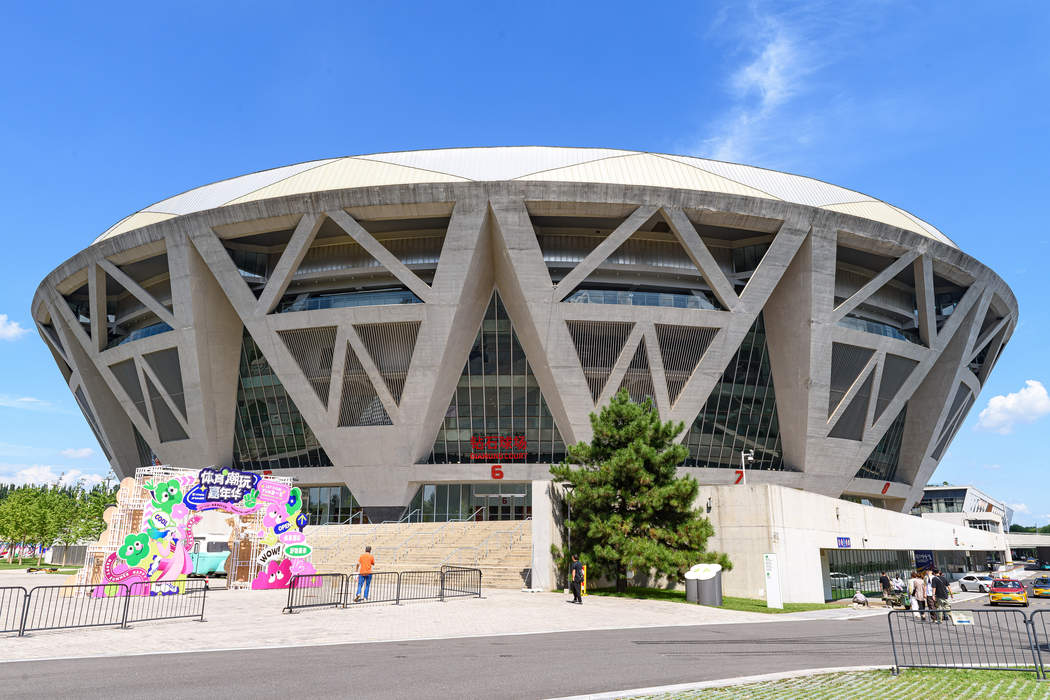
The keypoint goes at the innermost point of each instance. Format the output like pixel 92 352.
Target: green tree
pixel 64 511
pixel 93 505
pixel 21 514
pixel 629 509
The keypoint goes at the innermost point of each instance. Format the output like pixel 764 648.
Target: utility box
pixel 703 585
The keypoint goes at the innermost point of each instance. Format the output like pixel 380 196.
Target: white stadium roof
pixel 527 163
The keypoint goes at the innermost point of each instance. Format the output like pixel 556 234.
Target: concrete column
pixel 545 532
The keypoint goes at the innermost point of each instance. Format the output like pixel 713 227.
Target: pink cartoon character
pixel 277 575
pixel 276 519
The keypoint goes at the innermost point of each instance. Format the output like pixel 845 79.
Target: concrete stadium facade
pixel 401 320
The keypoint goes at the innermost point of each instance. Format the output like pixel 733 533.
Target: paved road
pixel 526 666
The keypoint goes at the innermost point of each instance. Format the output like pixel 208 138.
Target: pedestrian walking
pixel 931 602
pixel 364 574
pixel 941 592
pixel 898 583
pixel 917 591
pixel 884 582
pixel 576 579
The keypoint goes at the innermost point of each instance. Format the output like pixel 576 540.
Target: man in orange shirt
pixel 364 573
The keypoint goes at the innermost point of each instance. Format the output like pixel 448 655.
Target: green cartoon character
pixel 251 498
pixel 134 549
pixel 165 494
pixel 295 501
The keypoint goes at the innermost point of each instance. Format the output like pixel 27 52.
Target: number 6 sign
pixel 497 471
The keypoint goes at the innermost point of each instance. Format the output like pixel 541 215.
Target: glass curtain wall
pixel 882 463
pixel 855 570
pixel 498 413
pixel 445 502
pixel 326 505
pixel 269 431
pixel 740 414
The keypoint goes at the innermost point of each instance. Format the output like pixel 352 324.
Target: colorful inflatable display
pixel 159 554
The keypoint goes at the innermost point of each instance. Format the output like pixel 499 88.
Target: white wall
pixel 752 520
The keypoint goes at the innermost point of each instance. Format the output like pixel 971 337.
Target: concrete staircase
pixel 501 549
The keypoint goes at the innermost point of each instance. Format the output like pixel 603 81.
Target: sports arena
pixel 418 335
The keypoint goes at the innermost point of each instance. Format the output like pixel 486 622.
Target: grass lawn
pixel 728 602
pixel 911 683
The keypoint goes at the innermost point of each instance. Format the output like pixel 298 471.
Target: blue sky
pixel 939 108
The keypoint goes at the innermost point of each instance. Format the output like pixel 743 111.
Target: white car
pixel 975 582
pixel 841 580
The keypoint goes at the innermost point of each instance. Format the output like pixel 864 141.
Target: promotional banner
pixel 161 551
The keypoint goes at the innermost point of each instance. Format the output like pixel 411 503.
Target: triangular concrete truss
pixel 374 382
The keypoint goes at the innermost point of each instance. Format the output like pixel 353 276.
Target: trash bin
pixel 706 580
pixel 692 586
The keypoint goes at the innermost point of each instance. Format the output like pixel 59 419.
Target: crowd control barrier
pixel 106 605
pixel 345 590
pixel 993 640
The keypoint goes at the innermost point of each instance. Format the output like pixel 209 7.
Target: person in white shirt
pixel 917 591
pixel 898 584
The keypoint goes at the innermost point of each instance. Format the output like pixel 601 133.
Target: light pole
pixel 568 521
pixel 745 458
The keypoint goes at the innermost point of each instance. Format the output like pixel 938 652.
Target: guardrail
pixel 993 640
pixel 104 605
pixel 12 608
pixel 345 590
pixel 461 581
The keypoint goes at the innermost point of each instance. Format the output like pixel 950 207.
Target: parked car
pixel 975 582
pixel 841 580
pixel 1007 591
pixel 1041 587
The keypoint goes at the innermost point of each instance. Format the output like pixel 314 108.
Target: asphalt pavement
pixel 518 666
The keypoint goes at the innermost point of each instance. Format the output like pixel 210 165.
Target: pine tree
pixel 629 509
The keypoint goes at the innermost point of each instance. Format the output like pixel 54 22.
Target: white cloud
pixel 27 403
pixel 1025 406
pixel 1019 507
pixel 46 474
pixel 78 452
pixel 993 466
pixel 10 330
pixel 761 87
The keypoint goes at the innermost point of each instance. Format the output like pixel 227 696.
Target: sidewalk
pixel 253 619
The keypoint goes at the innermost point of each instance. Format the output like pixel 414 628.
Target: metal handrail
pixel 487 543
pixel 473 517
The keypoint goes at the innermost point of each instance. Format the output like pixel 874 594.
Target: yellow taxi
pixel 1041 587
pixel 1005 590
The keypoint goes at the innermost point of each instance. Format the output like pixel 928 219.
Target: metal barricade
pixel 66 607
pixel 161 600
pixel 316 591
pixel 1040 626
pixel 970 639
pixel 382 587
pixel 344 590
pixel 460 581
pixel 421 585
pixel 12 607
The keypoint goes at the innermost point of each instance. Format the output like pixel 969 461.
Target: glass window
pixel 269 431
pixel 859 569
pixel 880 328
pixel 633 296
pixel 882 463
pixel 503 501
pixel 496 397
pixel 338 300
pixel 740 413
